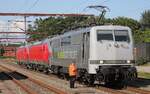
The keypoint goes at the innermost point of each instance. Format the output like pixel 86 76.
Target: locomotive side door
pixel 85 51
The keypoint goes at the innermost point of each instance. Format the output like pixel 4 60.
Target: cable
pixel 105 1
pixel 80 4
pixel 33 5
pixel 21 8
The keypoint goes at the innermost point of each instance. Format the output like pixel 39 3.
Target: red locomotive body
pixel 39 54
pixel 22 54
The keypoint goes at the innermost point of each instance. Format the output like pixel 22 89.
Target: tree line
pixel 57 25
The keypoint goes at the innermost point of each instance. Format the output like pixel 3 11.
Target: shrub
pixel 142 61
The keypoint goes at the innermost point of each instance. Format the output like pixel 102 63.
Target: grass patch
pixel 144 75
pixel 5 57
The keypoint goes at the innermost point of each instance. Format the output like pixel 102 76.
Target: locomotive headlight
pixel 128 61
pixel 101 61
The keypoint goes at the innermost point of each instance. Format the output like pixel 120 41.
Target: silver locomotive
pixel 102 54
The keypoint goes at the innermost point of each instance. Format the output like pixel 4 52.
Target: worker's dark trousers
pixel 72 81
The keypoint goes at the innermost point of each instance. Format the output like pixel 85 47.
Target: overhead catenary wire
pixel 33 5
pixel 21 8
pixel 105 1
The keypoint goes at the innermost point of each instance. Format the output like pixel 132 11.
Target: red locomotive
pixel 36 55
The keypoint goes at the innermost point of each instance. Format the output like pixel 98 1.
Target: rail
pixel 19 83
pixel 40 83
pixel 137 90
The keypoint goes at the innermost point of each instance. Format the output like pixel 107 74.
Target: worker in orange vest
pixel 72 74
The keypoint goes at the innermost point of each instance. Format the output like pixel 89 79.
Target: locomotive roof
pixel 81 30
pixel 87 29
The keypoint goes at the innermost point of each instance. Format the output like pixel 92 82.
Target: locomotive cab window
pixel 66 41
pixel 104 35
pixel 121 36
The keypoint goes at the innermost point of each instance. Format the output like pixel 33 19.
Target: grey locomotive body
pixel 101 54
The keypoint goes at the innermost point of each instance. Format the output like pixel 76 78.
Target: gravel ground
pixel 37 88
pixel 13 88
pixel 9 87
pixel 56 82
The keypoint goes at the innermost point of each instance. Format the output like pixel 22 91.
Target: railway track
pixel 137 90
pixel 12 75
pixel 128 90
pixel 19 83
pixel 109 90
pixel 105 90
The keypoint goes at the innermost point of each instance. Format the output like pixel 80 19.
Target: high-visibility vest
pixel 72 70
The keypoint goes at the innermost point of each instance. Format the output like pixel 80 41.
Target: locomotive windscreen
pixel 104 35
pixel 119 35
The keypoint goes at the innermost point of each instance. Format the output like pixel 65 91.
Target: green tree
pixel 145 19
pixel 57 25
pixel 143 35
pixel 146 35
pixel 138 36
pixel 54 25
pixel 124 21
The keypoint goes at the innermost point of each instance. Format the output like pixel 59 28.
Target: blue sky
pixel 127 8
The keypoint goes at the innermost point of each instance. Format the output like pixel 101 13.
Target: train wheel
pixel 18 62
pixel 87 79
pixel 61 75
pixel 27 66
pixel 46 70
